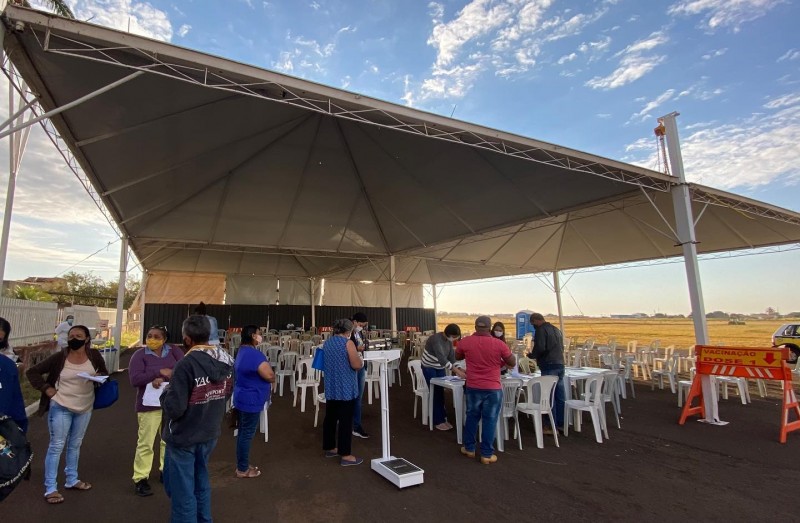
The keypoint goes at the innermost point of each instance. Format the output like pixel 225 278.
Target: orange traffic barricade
pixel 744 362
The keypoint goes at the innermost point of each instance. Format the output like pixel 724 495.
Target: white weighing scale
pixel 397 470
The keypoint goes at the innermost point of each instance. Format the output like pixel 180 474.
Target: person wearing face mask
pixel 438 356
pixel 251 391
pixel 68 400
pixel 499 332
pixel 62 330
pixel 6 349
pixel 359 339
pixel 151 364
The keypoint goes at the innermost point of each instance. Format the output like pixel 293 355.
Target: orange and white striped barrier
pixel 744 362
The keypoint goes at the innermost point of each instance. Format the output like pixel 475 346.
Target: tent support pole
pixel 392 308
pixel 71 104
pixel 684 220
pixel 435 308
pixel 557 288
pixel 313 302
pixel 16 148
pixel 143 303
pixel 123 273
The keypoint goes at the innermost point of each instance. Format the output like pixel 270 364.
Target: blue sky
pixel 590 75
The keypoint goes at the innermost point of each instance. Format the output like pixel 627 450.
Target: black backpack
pixel 15 456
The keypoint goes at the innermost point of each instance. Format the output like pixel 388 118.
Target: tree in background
pixel 90 289
pixel 59 7
pixel 29 292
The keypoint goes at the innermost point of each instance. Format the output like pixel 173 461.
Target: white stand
pixel 397 470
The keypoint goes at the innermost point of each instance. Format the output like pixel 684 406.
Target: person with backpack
pixel 11 402
pixel 68 399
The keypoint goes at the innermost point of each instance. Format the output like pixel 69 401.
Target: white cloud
pixel 477 18
pixel 630 69
pixel 791 54
pixel 126 15
pixel 714 54
pixel 566 58
pixel 783 101
pixel 723 13
pixel 633 65
pixel 603 115
pixel 184 30
pixel 505 37
pixel 748 152
pixel 653 104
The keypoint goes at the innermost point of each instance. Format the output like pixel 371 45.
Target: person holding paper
pixel 150 367
pixel 440 355
pixel 251 390
pixel 68 399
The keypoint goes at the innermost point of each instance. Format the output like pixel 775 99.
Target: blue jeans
pixel 556 370
pixel 484 406
pixel 186 482
pixel 362 376
pixel 66 429
pixel 439 414
pixel 248 422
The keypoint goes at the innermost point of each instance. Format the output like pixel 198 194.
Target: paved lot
pixel 652 468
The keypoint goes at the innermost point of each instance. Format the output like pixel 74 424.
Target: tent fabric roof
pixel 209 165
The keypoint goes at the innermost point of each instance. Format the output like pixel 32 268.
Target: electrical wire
pixel 106 246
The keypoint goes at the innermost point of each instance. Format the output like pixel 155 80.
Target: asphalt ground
pixel 651 468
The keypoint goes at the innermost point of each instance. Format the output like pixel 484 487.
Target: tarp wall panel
pixel 184 287
pixel 251 290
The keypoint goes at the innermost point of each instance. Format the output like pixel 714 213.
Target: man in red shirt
pixel 485 356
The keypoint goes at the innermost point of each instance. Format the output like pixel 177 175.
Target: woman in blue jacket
pixel 251 391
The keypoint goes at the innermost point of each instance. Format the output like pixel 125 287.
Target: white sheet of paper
pixel 152 395
pixel 98 379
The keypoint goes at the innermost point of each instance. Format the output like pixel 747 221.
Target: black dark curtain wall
pixel 172 315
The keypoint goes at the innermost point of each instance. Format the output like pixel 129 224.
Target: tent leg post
pixel 123 272
pixel 557 288
pixel 392 308
pixel 684 220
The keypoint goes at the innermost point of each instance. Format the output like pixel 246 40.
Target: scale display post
pixel 397 470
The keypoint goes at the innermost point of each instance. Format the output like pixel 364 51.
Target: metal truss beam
pixel 134 58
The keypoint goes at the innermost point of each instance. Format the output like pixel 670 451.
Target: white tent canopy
pixel 208 165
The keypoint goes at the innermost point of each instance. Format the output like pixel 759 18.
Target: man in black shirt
pixel 548 351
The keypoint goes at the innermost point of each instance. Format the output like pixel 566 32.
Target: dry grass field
pixel 671 331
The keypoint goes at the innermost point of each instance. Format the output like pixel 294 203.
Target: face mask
pixel 498 334
pixel 69 321
pixel 75 343
pixel 359 328
pixel 452 338
pixel 154 344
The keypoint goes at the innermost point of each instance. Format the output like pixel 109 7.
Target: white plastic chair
pixel 287 364
pixel 394 367
pixel 508 410
pixel 373 377
pixel 740 383
pixel 611 394
pixel 306 378
pixel 320 398
pixel 685 385
pixel 273 353
pixel 264 421
pixel 670 372
pixel 305 349
pixel 419 387
pixel 543 388
pixel 591 402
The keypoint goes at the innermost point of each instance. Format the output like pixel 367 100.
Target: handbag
pixel 106 394
pixel 319 360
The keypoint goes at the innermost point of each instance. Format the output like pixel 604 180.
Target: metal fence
pixel 31 321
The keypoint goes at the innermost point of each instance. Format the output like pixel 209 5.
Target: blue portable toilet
pixel 524 325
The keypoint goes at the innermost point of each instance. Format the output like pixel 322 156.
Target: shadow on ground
pixel 652 468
